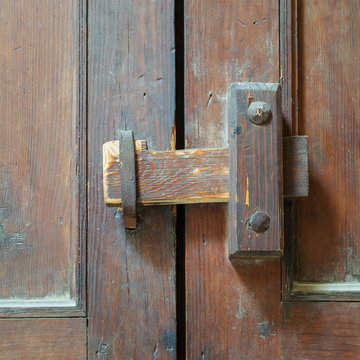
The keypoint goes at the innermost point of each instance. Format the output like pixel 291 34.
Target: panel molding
pixel 72 301
pixel 293 289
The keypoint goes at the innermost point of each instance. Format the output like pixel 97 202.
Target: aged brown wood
pixel 321 262
pixel 131 275
pixel 296 184
pixel 256 172
pixel 320 331
pixel 231 312
pixel 191 175
pixel 39 194
pixel 50 339
pixel 325 246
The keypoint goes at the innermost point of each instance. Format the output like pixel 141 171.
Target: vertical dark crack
pixel 180 144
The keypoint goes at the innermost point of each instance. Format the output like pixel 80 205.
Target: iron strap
pixel 128 178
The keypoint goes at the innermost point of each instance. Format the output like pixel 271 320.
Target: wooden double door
pixel 73 283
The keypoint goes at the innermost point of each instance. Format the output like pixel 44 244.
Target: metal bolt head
pixel 259 112
pixel 259 222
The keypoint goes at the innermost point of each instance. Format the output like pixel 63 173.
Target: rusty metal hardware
pixel 259 221
pixel 128 178
pixel 259 112
pixel 248 174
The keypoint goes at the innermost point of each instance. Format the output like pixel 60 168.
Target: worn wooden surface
pixel 256 172
pixel 231 312
pixel 170 177
pixel 39 192
pixel 297 175
pixel 131 275
pixel 327 246
pixel 321 258
pixel 189 176
pixel 40 339
pixel 320 331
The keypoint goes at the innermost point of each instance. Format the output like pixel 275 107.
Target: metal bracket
pixel 127 178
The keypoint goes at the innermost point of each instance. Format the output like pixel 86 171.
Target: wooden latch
pixel 253 174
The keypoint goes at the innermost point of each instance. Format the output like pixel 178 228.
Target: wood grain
pixel 191 175
pixel 320 331
pixel 39 158
pixel 231 312
pixel 170 177
pixel 256 171
pixel 327 247
pixel 131 275
pixel 40 339
pixel 296 167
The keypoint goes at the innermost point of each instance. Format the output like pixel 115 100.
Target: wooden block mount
pixel 256 170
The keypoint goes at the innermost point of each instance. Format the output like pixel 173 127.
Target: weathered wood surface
pixel 40 194
pixel 170 177
pixel 320 331
pixel 296 184
pixel 50 339
pixel 191 175
pixel 231 312
pixel 326 240
pixel 131 275
pixel 256 172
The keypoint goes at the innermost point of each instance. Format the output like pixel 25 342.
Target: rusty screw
pixel 259 112
pixel 259 221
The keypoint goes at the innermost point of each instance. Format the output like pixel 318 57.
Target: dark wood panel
pixel 43 339
pixel 320 331
pixel 328 221
pixel 39 166
pixel 232 311
pixel 131 275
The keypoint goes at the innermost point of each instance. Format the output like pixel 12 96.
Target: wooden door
pixel 304 306
pixel 74 283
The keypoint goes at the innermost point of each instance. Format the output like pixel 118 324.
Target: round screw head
pixel 259 112
pixel 259 222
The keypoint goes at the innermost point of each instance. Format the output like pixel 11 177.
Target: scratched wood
pixel 39 159
pixel 50 339
pixel 232 312
pixel 131 275
pixel 192 175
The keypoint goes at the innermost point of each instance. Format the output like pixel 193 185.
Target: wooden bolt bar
pixel 193 176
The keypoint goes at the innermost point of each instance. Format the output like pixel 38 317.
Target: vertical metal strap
pixel 128 178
